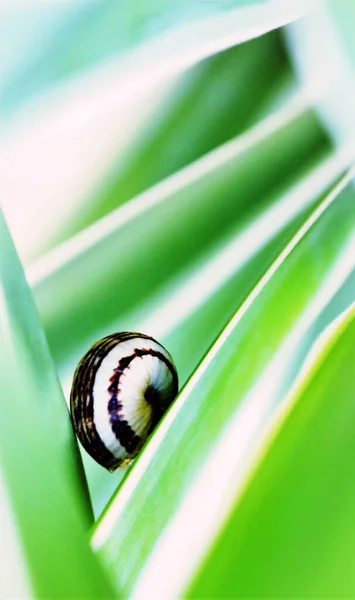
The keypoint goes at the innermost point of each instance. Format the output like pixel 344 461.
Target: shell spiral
pixel 121 388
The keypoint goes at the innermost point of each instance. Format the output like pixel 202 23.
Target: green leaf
pixel 236 389
pixel 291 531
pixel 172 300
pixel 228 91
pixel 43 490
pixel 198 305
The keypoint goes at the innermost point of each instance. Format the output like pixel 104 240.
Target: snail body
pixel 121 388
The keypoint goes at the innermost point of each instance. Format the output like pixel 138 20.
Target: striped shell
pixel 121 389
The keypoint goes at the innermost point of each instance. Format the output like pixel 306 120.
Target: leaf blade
pixel 45 488
pixel 302 485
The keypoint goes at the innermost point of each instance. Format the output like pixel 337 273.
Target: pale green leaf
pixel 44 545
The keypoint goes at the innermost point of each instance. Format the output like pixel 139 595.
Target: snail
pixel 121 388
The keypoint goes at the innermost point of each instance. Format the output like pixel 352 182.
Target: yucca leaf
pixel 238 386
pixel 43 490
pixel 291 530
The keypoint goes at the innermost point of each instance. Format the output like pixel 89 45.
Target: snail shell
pixel 121 389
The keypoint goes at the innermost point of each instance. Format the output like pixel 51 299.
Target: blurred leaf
pixel 99 280
pixel 342 15
pixel 23 334
pixel 46 493
pixel 209 433
pixel 108 120
pixel 327 67
pixel 78 36
pixel 227 91
pixel 291 531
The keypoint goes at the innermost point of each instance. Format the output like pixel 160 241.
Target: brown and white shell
pixel 121 389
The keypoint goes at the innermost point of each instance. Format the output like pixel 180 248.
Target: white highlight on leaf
pixel 14 579
pixel 327 66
